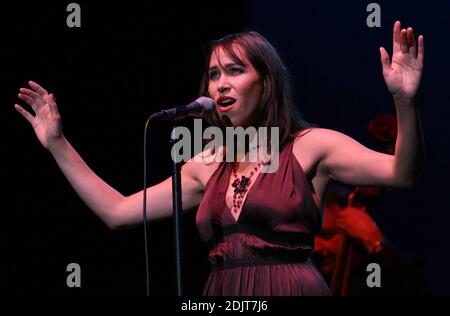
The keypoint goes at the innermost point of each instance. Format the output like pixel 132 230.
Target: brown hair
pixel 277 108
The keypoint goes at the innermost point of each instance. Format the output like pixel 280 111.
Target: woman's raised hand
pixel 403 73
pixel 46 121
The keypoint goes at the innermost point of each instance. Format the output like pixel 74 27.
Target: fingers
pixel 385 62
pixel 411 42
pixel 37 88
pixel 31 97
pixel 421 49
pixel 24 113
pixel 36 98
pixel 27 99
pixel 52 104
pixel 403 42
pixel 29 93
pixel 396 38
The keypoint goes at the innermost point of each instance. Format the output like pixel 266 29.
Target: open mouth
pixel 225 104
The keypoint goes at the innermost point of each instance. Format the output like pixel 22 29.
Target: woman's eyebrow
pixel 215 67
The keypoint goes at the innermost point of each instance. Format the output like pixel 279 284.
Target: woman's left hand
pixel 403 74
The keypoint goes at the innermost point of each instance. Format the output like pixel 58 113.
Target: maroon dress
pixel 266 251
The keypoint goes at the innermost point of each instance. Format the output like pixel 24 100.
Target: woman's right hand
pixel 46 122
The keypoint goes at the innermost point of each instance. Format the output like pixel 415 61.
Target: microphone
pixel 200 108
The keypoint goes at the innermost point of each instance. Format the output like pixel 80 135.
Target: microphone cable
pixel 144 212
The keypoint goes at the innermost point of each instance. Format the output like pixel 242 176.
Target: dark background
pixel 129 60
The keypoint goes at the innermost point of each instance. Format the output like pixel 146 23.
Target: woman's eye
pixel 213 75
pixel 235 71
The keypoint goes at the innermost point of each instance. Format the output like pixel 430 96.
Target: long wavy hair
pixel 277 108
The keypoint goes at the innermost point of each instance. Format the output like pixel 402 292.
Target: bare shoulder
pixel 202 166
pixel 315 134
pixel 318 141
pixel 313 145
pixel 313 142
pixel 305 150
pixel 313 148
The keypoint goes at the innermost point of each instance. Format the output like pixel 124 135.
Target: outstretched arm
pixel 402 77
pixel 348 161
pixel 112 207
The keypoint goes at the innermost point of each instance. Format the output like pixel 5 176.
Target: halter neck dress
pixel 266 250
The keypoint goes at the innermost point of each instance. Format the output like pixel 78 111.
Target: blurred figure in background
pixel 350 238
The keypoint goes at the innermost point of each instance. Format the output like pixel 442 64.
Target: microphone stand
pixel 178 217
pixel 199 107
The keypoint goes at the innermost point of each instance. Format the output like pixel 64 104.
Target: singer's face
pixel 236 88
